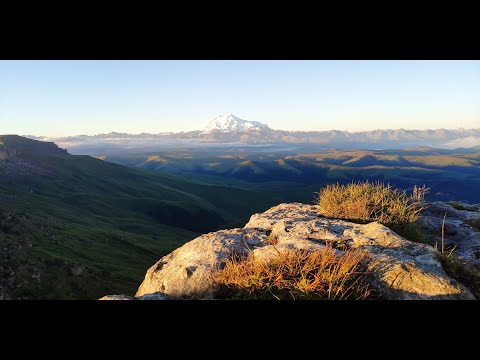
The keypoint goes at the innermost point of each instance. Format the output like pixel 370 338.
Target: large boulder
pixel 398 268
pixel 187 271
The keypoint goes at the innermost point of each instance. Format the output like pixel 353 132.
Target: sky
pixel 60 98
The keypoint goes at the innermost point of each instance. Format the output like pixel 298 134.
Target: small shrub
pixel 413 232
pixel 467 274
pixel 474 222
pixel 456 205
pixel 296 274
pixel 365 201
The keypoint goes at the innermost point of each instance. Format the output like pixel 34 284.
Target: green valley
pixel 75 227
pixel 450 174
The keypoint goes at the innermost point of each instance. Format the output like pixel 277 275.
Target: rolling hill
pixel 75 227
pixel 451 174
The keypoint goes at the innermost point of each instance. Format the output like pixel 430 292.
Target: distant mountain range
pixel 228 129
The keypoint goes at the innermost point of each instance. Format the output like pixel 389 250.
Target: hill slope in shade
pixel 75 226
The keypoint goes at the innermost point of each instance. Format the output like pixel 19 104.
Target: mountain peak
pixel 232 123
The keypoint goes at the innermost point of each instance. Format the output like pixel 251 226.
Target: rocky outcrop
pixel 187 271
pixel 397 268
pixel 155 296
pixel 14 146
pixel 17 152
pixel 459 232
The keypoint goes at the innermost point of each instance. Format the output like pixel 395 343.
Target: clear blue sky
pixel 57 98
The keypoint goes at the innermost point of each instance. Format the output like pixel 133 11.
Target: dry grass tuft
pixel 272 239
pixel 367 201
pixel 296 274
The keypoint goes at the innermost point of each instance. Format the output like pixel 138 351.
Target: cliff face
pixel 397 268
pixel 14 146
pixel 19 156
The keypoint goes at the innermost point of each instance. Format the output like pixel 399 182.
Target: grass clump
pixel 413 232
pixel 272 239
pixel 456 205
pixel 474 222
pixel 365 201
pixel 296 274
pixel 467 274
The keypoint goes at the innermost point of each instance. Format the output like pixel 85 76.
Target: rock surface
pixel 187 271
pixel 117 297
pixel 398 268
pixel 458 232
pixel 154 296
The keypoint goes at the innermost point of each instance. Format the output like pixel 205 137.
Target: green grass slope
pixel 76 227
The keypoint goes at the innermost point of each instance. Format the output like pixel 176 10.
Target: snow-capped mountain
pixel 231 123
pixel 227 129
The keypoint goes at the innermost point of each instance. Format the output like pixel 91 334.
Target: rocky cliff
pixel 396 268
pixel 12 146
pixel 20 156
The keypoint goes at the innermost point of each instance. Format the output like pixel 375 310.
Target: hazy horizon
pixel 152 133
pixel 70 98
